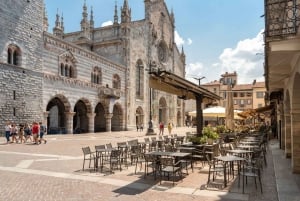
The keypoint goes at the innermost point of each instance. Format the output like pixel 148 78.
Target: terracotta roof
pixel 259 84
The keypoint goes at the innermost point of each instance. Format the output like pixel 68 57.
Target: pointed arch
pixel 100 121
pixel 117 118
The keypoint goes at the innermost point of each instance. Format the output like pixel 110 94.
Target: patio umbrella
pixel 216 111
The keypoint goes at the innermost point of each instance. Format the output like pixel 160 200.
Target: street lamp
pixel 199 79
pixel 150 130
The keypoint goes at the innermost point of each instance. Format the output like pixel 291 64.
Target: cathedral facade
pixel 93 80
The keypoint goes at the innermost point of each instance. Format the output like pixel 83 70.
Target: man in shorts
pixel 35 132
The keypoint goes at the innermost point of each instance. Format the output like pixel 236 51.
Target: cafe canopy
pixel 166 81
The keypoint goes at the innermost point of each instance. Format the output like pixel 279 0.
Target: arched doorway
pixel 100 121
pixel 80 119
pixel 116 120
pixel 179 120
pixel 162 112
pixel 139 117
pixel 56 120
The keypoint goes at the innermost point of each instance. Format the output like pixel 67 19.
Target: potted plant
pixel 210 133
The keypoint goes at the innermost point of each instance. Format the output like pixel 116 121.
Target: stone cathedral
pixel 93 80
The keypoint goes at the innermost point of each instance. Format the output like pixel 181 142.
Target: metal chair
pixel 88 155
pixel 169 166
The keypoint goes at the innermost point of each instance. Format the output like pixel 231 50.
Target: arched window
pixel 14 55
pixel 67 66
pixel 116 82
pixel 139 82
pixel 96 75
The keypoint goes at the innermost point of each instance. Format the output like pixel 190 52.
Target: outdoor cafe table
pixel 249 147
pixel 100 155
pixel 229 159
pixel 240 152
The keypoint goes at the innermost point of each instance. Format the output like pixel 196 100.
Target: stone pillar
pixel 91 122
pixel 45 116
pixel 108 121
pixel 283 131
pixel 69 122
pixel 288 136
pixel 295 141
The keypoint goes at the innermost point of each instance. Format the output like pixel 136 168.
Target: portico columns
pixel 108 121
pixel 295 145
pixel 69 122
pixel 91 117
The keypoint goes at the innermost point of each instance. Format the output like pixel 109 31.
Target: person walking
pixel 13 132
pixel 27 132
pixel 35 132
pixel 7 131
pixel 43 130
pixel 21 133
pixel 170 128
pixel 161 128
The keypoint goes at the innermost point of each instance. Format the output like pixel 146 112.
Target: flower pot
pixel 210 141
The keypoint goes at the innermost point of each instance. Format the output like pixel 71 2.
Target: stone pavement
pixel 53 171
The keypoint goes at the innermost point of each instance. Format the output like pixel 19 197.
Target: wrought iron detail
pixel 282 17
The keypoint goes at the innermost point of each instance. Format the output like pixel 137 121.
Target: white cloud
pixel 107 23
pixel 194 70
pixel 244 59
pixel 180 41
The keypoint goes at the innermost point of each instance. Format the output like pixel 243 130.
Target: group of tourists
pixel 162 127
pixel 23 132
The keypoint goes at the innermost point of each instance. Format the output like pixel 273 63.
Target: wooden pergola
pixel 184 89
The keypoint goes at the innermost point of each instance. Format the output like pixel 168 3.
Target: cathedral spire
pixel 62 22
pixel 57 22
pixel 92 18
pixel 58 29
pixel 116 14
pixel 85 25
pixel 45 19
pixel 125 13
pixel 84 13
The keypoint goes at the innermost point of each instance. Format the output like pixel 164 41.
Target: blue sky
pixel 218 36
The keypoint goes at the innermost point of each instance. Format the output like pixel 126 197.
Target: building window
pixel 66 70
pixel 215 90
pixel 249 102
pixel 259 94
pixel 139 82
pixel 249 94
pixel 235 102
pixel 242 94
pixel 116 82
pixel 96 75
pixel 235 94
pixel 14 55
pixel 242 102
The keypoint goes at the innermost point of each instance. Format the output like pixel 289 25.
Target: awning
pixel 264 109
pixel 173 84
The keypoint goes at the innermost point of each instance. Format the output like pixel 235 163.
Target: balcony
pixel 109 93
pixel 282 18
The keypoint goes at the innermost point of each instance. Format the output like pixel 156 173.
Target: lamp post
pixel 150 130
pixel 199 79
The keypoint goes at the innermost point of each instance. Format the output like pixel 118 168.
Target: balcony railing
pixel 109 93
pixel 282 18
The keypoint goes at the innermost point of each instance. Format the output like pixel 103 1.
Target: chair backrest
pixel 153 139
pixel 115 153
pixel 100 146
pixel 166 161
pixel 147 140
pixel 121 144
pixel 109 146
pixel 86 150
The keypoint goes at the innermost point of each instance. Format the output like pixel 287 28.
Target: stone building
pixel 282 72
pixel 92 80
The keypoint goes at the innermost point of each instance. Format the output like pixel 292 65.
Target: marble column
pixel 69 122
pixel 108 121
pixel 295 141
pixel 288 136
pixel 91 117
